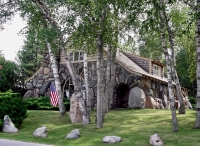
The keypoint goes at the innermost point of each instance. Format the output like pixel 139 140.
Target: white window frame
pixel 156 70
pixel 74 58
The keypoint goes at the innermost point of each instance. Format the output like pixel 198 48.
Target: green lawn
pixel 134 127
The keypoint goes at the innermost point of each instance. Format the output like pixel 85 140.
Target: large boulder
pixel 40 132
pixel 75 113
pixel 73 134
pixel 165 102
pixel 29 86
pixel 155 140
pixel 8 125
pixel 28 94
pixel 137 98
pixel 150 102
pixel 44 88
pixel 159 103
pixel 112 139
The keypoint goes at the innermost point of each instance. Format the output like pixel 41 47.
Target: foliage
pixel 29 58
pixel 1 124
pixel 184 69
pixel 150 45
pixel 43 103
pixel 10 76
pixel 193 100
pixel 134 127
pixel 12 104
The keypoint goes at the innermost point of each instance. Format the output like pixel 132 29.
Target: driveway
pixel 4 142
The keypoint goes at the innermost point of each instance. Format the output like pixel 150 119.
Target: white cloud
pixel 10 41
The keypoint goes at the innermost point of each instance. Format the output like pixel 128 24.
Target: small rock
pixel 73 134
pixel 40 132
pixel 8 125
pixel 155 140
pixel 112 139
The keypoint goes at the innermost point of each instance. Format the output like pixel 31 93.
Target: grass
pixel 134 127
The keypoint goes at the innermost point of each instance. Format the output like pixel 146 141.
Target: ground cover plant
pixel 134 127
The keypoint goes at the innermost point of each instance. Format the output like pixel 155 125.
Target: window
pixel 156 70
pixel 71 56
pixel 76 56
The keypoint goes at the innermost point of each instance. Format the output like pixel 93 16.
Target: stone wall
pixel 38 84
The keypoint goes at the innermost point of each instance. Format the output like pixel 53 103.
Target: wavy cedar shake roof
pixel 132 67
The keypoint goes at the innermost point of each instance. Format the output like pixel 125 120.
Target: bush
pixel 192 99
pixel 12 104
pixel 43 103
pixel 1 124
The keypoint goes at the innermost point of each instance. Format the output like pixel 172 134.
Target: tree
pixel 10 76
pixel 39 36
pixel 30 57
pixel 185 42
pixel 88 96
pixel 169 68
pixel 77 86
pixel 173 62
pixel 93 32
pixel 153 17
pixel 57 80
pixel 195 7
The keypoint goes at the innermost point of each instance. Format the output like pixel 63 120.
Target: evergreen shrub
pixel 193 100
pixel 43 103
pixel 12 104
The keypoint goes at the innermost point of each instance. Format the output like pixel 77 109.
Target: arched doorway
pixel 68 87
pixel 122 92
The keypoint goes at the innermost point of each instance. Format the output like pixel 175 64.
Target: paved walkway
pixel 4 142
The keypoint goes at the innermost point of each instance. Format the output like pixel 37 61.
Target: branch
pixel 192 6
pixel 46 13
pixel 45 10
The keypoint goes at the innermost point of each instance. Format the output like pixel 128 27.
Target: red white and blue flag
pixel 53 95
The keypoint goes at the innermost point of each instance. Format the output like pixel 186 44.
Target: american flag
pixel 53 95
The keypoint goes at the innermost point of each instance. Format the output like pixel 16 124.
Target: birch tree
pixel 39 30
pixel 57 80
pixel 195 7
pixel 95 24
pixel 169 68
pixel 197 125
pixel 173 62
pixel 77 86
pixel 88 96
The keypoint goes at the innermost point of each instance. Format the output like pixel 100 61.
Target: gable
pixel 140 61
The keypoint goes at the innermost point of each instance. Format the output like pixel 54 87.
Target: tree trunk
pixel 174 73
pixel 179 92
pixel 77 89
pixel 197 125
pixel 108 82
pixel 169 70
pixel 112 81
pixel 57 81
pixel 77 86
pixel 100 83
pixel 88 96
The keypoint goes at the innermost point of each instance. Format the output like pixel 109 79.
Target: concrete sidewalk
pixel 4 142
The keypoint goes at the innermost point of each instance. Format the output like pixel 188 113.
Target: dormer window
pixel 156 70
pixel 76 56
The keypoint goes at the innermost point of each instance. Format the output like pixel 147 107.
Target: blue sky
pixel 10 41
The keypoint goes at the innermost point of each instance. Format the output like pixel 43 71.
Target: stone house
pixel 139 81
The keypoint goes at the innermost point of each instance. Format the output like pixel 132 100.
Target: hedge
pixel 12 104
pixel 43 103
